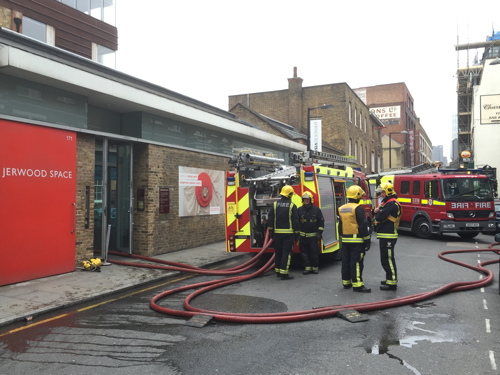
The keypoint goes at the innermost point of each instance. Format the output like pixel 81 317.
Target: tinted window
pixel 405 187
pixel 416 187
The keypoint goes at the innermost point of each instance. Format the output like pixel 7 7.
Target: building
pixel 348 126
pixel 478 102
pixel 405 142
pixel 92 159
pixel 85 28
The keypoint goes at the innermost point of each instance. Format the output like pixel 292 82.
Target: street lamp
pixel 390 144
pixel 324 106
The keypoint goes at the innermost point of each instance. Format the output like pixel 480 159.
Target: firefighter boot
pixel 388 287
pixel 286 277
pixel 362 289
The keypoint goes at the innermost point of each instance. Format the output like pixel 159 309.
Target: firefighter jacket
pixel 387 219
pixel 283 217
pixel 352 226
pixel 311 220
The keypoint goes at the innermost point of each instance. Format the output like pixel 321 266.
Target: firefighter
pixel 283 224
pixel 355 240
pixel 311 231
pixel 387 217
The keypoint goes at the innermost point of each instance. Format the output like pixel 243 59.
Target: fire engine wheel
pixel 468 235
pixel 422 228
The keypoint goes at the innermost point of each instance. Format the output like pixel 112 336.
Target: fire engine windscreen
pixel 466 189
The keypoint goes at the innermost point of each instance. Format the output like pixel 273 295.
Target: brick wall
pixel 155 233
pixel 85 161
pixel 337 129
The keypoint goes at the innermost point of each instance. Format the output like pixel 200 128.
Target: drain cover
pixel 352 316
pixel 200 320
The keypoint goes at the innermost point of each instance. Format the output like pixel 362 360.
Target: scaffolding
pixel 468 77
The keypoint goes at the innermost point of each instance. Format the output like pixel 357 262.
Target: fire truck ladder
pixel 323 158
pixel 418 169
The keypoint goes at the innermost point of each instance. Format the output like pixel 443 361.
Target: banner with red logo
pixel 37 201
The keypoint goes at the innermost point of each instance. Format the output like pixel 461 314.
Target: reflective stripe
pixel 352 240
pixel 387 235
pixel 304 234
pixel 284 230
pixel 391 265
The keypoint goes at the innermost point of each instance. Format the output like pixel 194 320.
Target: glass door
pixel 113 196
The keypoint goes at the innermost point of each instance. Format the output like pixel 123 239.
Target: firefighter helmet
pixel 387 187
pixel 355 192
pixel 307 195
pixel 287 191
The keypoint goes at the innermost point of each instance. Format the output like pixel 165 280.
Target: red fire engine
pixel 254 183
pixel 442 201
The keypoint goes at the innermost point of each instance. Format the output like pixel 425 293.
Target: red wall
pixel 37 201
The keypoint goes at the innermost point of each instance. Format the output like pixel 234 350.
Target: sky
pixel 209 50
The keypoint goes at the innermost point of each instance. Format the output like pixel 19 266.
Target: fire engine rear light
pixel 450 215
pixel 231 243
pixel 230 181
pixel 308 176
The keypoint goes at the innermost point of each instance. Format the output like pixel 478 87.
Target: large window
pixel 104 55
pixel 35 29
pixel 103 10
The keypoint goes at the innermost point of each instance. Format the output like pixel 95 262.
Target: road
pixel 455 333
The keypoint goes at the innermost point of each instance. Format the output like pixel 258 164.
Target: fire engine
pixel 255 179
pixel 442 201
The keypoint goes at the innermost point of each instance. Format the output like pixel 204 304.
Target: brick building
pixel 348 128
pixel 405 141
pixel 91 157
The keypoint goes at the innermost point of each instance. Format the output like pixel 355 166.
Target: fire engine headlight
pixel 449 226
pixel 492 214
pixel 450 215
pixel 491 225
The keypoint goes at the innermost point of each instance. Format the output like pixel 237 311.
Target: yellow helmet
pixel 287 191
pixel 355 192
pixel 387 187
pixel 307 195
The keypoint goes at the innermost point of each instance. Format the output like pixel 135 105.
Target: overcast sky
pixel 209 50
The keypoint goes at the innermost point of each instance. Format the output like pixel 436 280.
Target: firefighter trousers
pixel 309 249
pixel 283 246
pixel 388 261
pixel 352 264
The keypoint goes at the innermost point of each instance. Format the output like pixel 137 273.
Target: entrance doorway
pixel 113 196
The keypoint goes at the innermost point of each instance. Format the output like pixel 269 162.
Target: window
pixel 103 10
pixel 355 116
pixel 355 150
pixel 405 187
pixel 350 146
pixel 104 55
pixel 350 114
pixel 416 187
pixel 34 29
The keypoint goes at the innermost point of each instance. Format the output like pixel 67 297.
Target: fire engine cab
pixel 255 179
pixel 442 201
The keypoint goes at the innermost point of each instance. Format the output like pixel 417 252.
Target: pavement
pixel 30 299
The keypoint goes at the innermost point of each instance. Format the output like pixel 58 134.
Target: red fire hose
pixel 293 316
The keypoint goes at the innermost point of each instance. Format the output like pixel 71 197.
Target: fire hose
pixel 292 316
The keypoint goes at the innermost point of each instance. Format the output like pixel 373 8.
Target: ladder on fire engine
pixel 323 158
pixel 418 169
